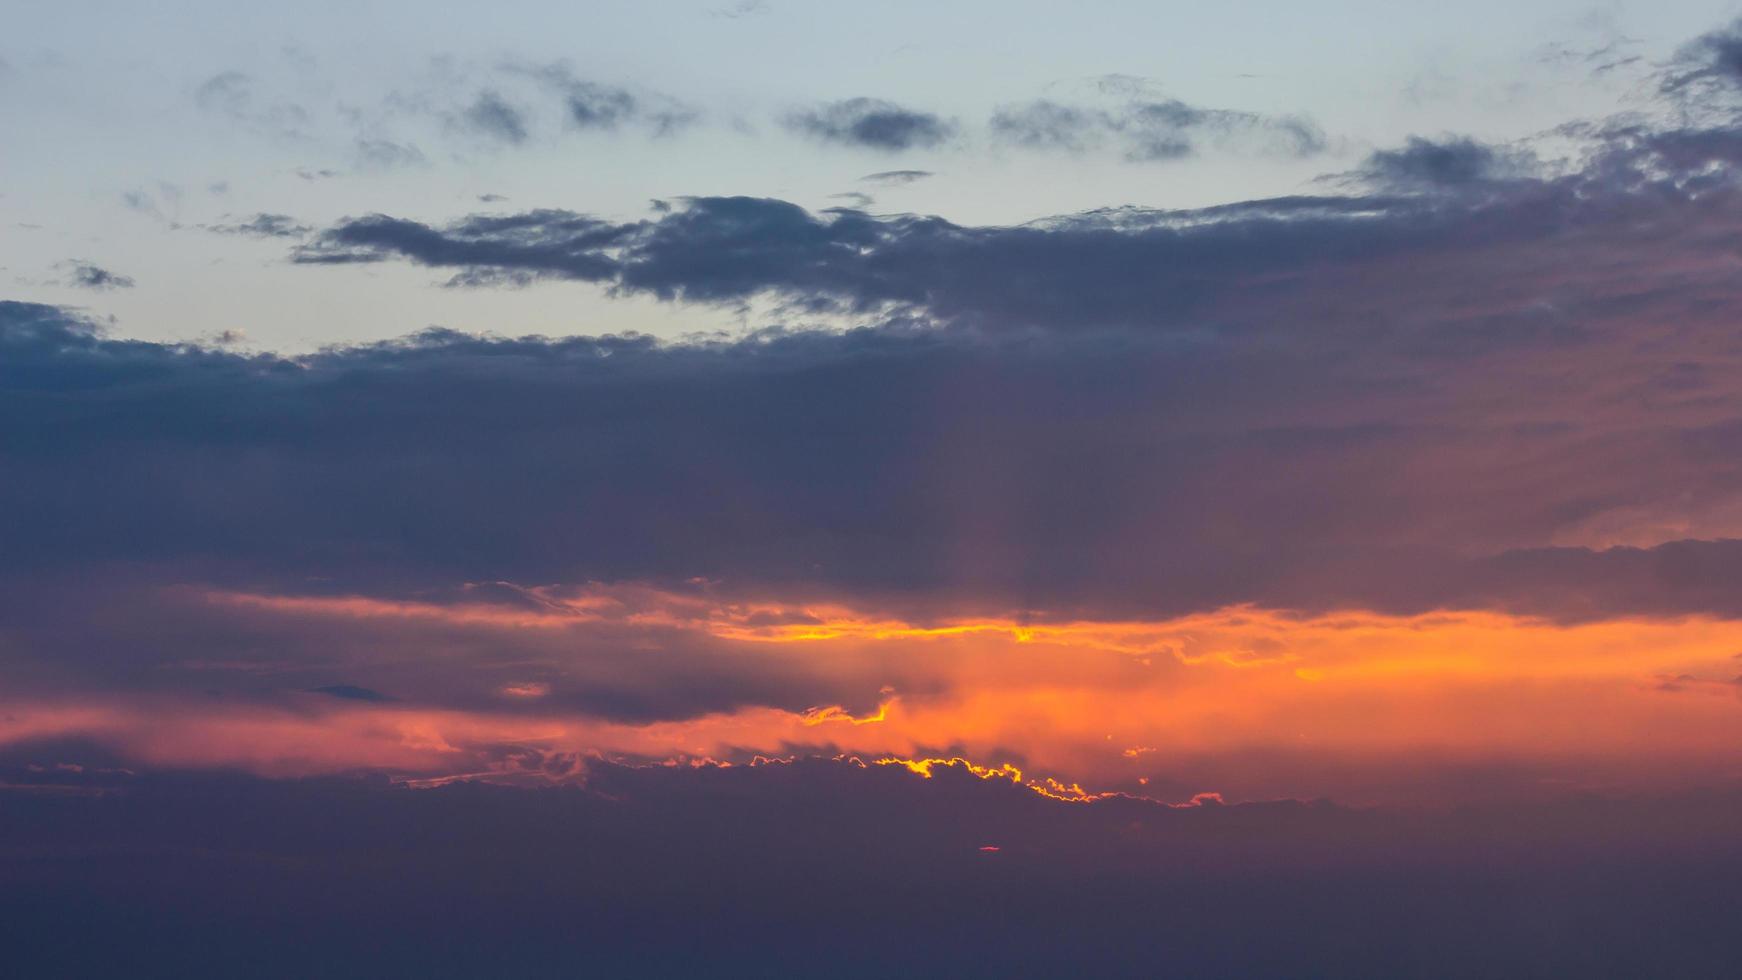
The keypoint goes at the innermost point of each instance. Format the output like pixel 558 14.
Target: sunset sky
pixel 1173 445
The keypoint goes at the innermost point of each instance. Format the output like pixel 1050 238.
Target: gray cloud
pixel 1147 130
pixel 262 226
pixel 1710 65
pixel 897 176
pixel 1447 162
pixel 1291 463
pixel 491 115
pixel 387 154
pixel 872 124
pixel 86 275
pixel 233 94
pixel 594 105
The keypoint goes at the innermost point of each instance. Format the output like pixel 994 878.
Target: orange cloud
pixel 1247 702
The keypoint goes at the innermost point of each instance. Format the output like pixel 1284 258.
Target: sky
pixel 497 488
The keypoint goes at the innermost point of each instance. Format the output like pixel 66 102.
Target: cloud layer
pixel 871 870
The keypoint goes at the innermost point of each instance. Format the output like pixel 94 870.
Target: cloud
pixel 162 201
pixel 592 105
pixel 1710 66
pixel 359 875
pixel 896 177
pixel 86 275
pixel 1149 129
pixel 263 225
pixel 229 92
pixel 233 95
pixel 1441 163
pixel 741 9
pixel 387 154
pixel 490 115
pixel 1448 410
pixel 1351 470
pixel 872 124
pixel 1079 271
pixel 1280 394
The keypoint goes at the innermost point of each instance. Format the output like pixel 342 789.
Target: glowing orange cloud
pixel 834 712
pixel 1247 702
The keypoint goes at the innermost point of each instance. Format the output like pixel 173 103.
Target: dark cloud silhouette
pixel 87 275
pixel 1280 396
pixel 1197 267
pixel 873 124
pixel 356 877
pixel 900 464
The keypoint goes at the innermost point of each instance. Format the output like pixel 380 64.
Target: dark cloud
pixel 897 176
pixel 991 469
pixel 1048 125
pixel 1146 129
pixel 1389 401
pixel 592 105
pixel 1709 65
pixel 203 875
pixel 492 116
pixel 263 225
pixel 87 275
pixel 1157 270
pixel 873 124
pixel 1441 163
